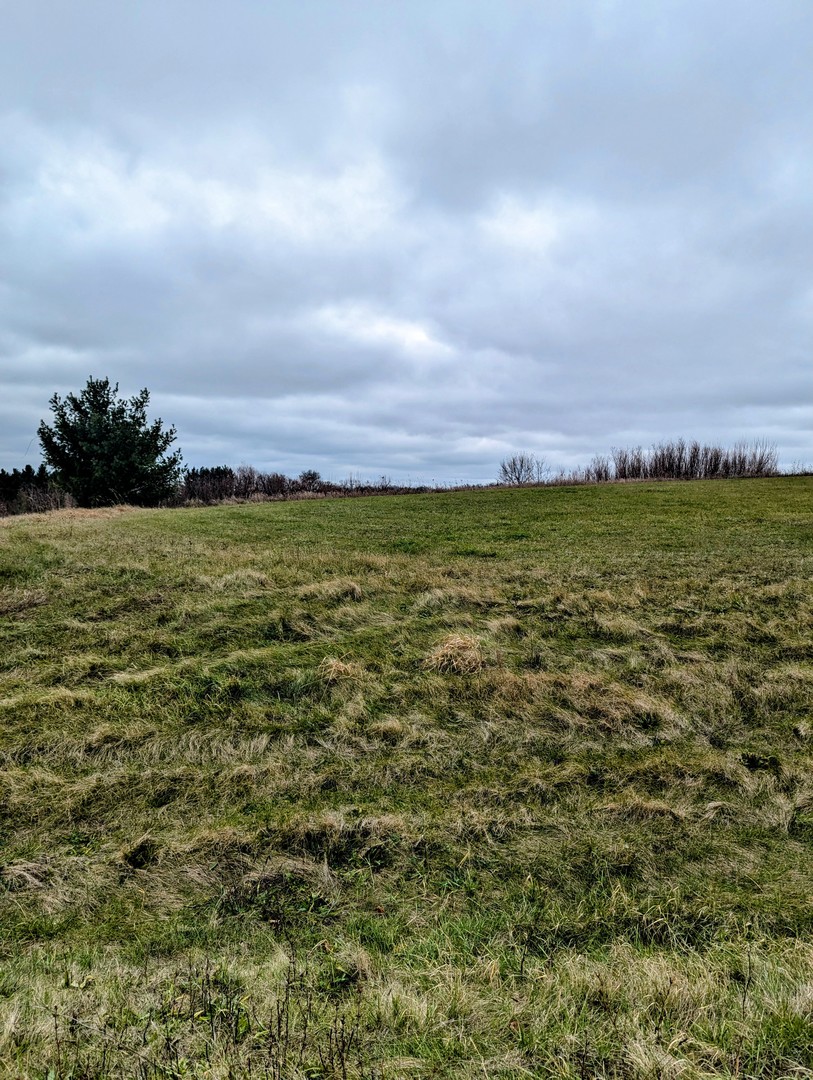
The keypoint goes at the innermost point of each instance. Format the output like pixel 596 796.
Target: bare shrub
pixel 600 470
pixel 33 500
pixel 676 459
pixel 275 484
pixel 246 482
pixel 310 481
pixel 521 469
pixel 31 491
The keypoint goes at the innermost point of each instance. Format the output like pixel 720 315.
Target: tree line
pixel 222 483
pixel 100 449
pixel 31 491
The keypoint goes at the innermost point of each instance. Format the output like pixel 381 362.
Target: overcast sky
pixel 408 237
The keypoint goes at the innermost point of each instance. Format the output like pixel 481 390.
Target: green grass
pixel 506 784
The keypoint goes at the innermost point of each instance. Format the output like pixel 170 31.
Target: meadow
pixel 508 783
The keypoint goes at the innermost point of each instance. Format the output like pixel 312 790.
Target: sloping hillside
pixel 502 783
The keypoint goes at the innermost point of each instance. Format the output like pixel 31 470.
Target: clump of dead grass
pixel 457 654
pixel 633 807
pixel 389 728
pixel 245 578
pixel 28 874
pixel 451 599
pixel 333 671
pixel 507 625
pixel 333 591
pixel 617 627
pixel 15 601
pixel 276 870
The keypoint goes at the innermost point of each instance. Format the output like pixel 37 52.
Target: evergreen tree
pixel 103 450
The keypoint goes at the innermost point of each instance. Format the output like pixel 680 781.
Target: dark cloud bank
pixel 410 237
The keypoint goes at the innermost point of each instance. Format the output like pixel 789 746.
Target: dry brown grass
pixel 457 654
pixel 333 591
pixel 70 514
pixel 507 625
pixel 243 579
pixel 14 601
pixel 333 670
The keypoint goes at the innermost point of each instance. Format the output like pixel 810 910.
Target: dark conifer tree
pixel 103 449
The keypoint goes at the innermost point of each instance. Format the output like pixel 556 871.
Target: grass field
pixel 500 783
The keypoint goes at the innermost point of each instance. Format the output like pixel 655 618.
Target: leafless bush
pixel 681 460
pixel 309 480
pixel 246 482
pixel 600 470
pixel 628 463
pixel 275 484
pixel 33 500
pixel 676 460
pixel 799 468
pixel 569 478
pixel 523 468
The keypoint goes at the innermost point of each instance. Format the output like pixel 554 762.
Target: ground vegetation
pixel 510 783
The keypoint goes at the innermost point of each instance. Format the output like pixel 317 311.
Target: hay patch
pixel 457 654
pixel 333 671
pixel 332 592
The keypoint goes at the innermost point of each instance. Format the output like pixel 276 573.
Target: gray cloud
pixel 409 238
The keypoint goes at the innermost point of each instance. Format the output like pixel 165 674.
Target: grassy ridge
pixel 498 783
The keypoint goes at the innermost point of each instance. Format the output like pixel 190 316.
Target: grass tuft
pixel 332 592
pixel 333 670
pixel 457 654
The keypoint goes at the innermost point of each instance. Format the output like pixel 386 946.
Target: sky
pixel 410 237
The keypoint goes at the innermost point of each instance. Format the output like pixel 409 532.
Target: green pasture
pixel 507 783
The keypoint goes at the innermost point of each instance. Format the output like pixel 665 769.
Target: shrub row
pixel 679 460
pixel 675 460
pixel 222 483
